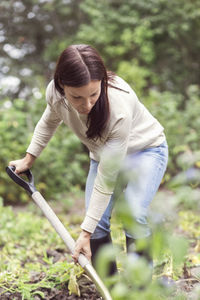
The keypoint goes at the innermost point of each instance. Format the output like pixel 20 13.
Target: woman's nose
pixel 88 104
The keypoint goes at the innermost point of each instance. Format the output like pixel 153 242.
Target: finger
pixel 76 254
pixel 75 259
pixel 18 172
pixel 12 164
pixel 88 255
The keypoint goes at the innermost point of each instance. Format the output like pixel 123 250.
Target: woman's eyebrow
pixel 82 96
pixel 94 92
pixel 75 95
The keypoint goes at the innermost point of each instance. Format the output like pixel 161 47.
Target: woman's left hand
pixel 82 246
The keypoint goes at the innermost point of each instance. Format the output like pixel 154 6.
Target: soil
pixel 87 288
pixel 87 291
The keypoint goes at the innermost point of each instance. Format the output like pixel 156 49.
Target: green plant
pixel 25 265
pixel 61 168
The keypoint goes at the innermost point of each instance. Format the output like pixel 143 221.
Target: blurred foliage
pixel 62 168
pixel 160 36
pixel 181 125
pixel 27 28
pixel 153 45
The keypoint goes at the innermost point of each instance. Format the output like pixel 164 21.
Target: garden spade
pixel 58 226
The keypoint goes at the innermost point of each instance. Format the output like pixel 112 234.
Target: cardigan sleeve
pixel 46 126
pixel 111 158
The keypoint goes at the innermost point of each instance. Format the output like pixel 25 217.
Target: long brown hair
pixel 77 66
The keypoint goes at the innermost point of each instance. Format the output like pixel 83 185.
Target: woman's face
pixel 83 98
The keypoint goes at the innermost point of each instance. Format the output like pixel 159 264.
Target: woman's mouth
pixel 85 112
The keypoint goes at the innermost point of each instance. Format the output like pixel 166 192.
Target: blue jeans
pixel 145 171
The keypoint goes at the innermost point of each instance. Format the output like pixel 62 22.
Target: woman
pixel 104 112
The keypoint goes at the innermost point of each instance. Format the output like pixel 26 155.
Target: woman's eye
pixel 79 97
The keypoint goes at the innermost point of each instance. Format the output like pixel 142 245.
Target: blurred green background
pixel 154 45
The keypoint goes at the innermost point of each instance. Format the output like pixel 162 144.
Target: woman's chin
pixel 85 112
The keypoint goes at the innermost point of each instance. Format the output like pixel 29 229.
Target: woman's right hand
pixel 23 164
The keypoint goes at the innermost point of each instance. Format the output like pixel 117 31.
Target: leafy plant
pixel 26 263
pixel 62 167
